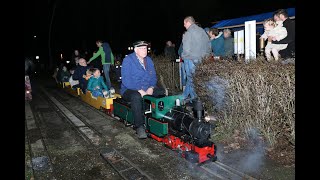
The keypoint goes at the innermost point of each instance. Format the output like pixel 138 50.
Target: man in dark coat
pixel 282 15
pixel 80 73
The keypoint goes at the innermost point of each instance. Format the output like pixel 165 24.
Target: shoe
pixel 141 132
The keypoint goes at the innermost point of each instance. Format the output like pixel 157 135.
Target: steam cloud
pixel 218 88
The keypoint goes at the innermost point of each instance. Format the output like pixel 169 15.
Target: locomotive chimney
pixel 198 107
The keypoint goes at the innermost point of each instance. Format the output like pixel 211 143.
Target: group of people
pixel 139 75
pixel 195 45
pixel 222 43
pixel 88 78
pixel 213 43
pixel 138 72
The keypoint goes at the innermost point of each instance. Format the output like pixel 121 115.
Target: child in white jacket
pixel 74 83
pixel 277 32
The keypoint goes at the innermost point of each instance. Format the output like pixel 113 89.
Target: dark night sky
pixel 78 23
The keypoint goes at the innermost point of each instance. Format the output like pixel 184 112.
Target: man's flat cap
pixel 140 43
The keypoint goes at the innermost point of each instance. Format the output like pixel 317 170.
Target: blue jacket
pixel 134 76
pixel 96 83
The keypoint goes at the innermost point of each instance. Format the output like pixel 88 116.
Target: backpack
pixel 108 52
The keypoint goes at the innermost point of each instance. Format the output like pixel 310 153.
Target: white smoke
pixel 254 159
pixel 218 87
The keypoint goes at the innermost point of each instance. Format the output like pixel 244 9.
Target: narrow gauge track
pixel 127 169
pixel 122 165
pixel 223 171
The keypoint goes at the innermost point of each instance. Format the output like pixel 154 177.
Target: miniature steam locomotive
pixel 170 122
pixel 166 120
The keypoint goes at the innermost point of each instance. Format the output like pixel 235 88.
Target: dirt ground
pixel 284 154
pixel 255 158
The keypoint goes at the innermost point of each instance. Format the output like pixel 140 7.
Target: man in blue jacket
pixel 138 79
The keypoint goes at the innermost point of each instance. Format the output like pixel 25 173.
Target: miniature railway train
pixel 166 121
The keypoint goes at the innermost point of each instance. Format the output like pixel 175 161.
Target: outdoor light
pixel 149 48
pixel 61 56
pixel 37 57
pixel 129 48
pixel 34 36
pixel 67 62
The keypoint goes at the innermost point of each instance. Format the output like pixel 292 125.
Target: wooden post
pixel 173 73
pixel 180 80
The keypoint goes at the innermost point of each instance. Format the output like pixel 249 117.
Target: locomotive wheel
pixel 148 134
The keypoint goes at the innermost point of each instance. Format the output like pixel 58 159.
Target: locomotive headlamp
pixel 209 118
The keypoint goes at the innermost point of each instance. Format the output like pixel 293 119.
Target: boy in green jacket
pixel 96 84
